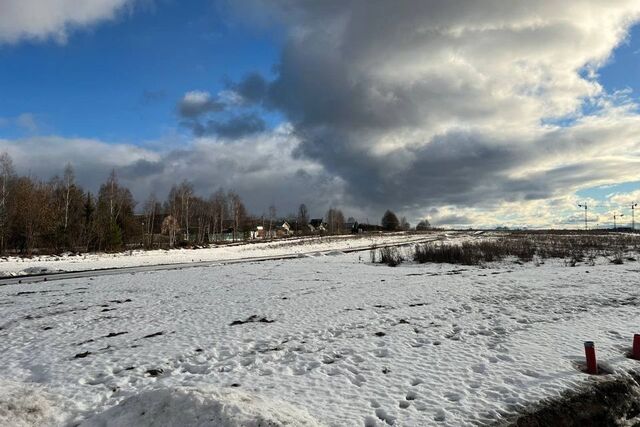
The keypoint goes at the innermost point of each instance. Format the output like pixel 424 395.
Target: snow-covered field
pixel 319 340
pixel 14 266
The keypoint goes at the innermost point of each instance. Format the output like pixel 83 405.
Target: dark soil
pixel 252 319
pixel 614 401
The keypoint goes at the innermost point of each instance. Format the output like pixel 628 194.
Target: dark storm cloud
pixel 252 89
pixel 235 127
pixel 239 126
pixel 195 104
pixel 142 168
pixel 453 220
pixel 440 102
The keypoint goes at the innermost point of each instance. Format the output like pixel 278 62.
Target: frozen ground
pixel 340 341
pixel 16 266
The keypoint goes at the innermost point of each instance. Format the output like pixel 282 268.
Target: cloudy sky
pixel 466 112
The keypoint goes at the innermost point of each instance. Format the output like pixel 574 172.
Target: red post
pixel 636 347
pixel 590 353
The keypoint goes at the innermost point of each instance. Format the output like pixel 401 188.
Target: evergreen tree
pixel 390 221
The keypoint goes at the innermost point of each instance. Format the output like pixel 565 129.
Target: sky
pixel 464 112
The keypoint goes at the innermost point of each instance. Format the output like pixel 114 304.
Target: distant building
pixel 352 226
pixel 317 225
pixel 283 230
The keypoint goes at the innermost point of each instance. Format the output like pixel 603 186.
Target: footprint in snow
pixel 411 395
pixel 333 372
pixel 370 421
pixel 439 416
pixel 381 352
pixel 357 358
pixel 384 416
pixel 453 396
pixel 358 380
pixel 480 368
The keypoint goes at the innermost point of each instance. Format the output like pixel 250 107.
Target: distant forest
pixel 59 215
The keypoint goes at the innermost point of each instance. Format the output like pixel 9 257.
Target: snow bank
pixel 22 405
pixel 202 406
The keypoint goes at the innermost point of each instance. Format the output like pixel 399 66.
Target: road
pixel 81 274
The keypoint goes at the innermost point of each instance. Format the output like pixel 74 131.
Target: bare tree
pixel 272 217
pixel 6 176
pixel 335 220
pixel 151 209
pixel 423 225
pixel 404 224
pixel 186 193
pixel 115 213
pixel 303 217
pixel 219 209
pixel 69 181
pixel 238 212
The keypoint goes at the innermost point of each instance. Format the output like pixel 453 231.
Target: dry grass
pixel 572 247
pixel 390 256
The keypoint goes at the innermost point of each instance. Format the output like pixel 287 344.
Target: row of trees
pixel 60 215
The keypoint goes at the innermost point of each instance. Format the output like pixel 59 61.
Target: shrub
pixel 473 253
pixel 391 256
pixel 574 248
pixel 372 253
pixel 617 258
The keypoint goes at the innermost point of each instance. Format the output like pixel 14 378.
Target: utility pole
pixel 633 217
pixel 615 228
pixel 586 226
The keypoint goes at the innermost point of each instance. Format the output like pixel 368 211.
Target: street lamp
pixel 633 217
pixel 615 228
pixel 585 214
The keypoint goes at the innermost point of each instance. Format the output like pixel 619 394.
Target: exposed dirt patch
pixel 251 319
pixel 155 334
pixel 614 401
pixel 82 355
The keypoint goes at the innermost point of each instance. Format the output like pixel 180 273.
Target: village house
pixel 317 225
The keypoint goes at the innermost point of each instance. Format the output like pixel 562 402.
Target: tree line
pixel 59 215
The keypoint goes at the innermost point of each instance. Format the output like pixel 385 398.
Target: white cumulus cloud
pixel 43 19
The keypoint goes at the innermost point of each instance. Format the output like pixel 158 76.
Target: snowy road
pixel 341 341
pixel 292 253
pixel 138 261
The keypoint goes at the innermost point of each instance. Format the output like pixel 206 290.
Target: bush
pixel 372 253
pixel 617 258
pixel 473 253
pixel 524 246
pixel 391 256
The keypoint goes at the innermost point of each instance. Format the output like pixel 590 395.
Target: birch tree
pixel 6 177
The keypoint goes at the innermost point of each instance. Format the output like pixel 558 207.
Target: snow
pixel 204 406
pixel 24 405
pixel 340 341
pixel 18 266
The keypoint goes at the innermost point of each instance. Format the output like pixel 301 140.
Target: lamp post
pixel 586 227
pixel 615 228
pixel 633 217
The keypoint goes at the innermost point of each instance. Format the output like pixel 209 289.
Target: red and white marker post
pixel 590 353
pixel 635 353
